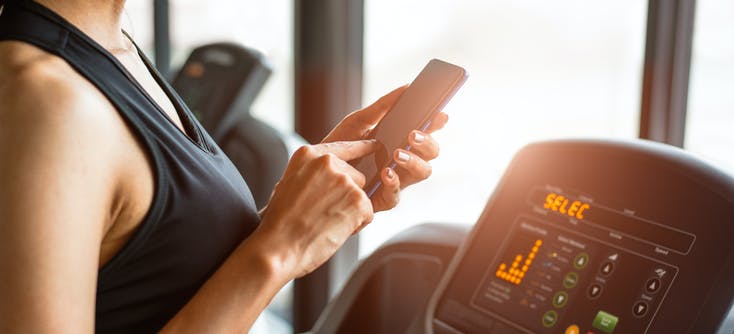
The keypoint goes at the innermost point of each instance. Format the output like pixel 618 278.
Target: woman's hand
pixel 412 165
pixel 319 202
pixel 315 207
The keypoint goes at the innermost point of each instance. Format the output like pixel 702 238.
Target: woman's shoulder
pixel 55 123
pixel 33 81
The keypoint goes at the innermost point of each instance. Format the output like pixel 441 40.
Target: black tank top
pixel 202 208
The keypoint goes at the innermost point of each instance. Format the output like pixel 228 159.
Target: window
pixel 710 101
pixel 537 70
pixel 266 26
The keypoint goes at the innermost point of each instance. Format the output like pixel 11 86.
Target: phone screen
pixel 426 96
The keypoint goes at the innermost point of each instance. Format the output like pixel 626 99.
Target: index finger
pixel 347 150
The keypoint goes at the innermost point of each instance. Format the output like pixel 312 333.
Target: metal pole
pixel 666 70
pixel 328 65
pixel 162 37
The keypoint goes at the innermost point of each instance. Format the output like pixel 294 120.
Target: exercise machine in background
pixel 219 82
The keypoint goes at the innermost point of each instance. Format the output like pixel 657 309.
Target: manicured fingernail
pixel 402 156
pixel 418 137
pixel 390 173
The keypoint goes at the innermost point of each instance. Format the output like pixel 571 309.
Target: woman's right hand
pixel 316 206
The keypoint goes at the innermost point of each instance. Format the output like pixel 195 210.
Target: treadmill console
pixel 596 237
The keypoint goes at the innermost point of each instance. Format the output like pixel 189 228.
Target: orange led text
pixel 566 206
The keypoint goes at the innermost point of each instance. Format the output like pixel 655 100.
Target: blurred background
pixel 537 70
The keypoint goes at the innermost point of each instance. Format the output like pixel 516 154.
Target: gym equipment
pixel 391 287
pixel 219 82
pixel 580 236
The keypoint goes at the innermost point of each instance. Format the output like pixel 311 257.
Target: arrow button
pixel 560 299
pixel 652 285
pixel 607 268
pixel 581 260
pixel 594 291
pixel 640 309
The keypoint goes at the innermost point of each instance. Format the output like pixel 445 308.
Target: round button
pixel 581 260
pixel 570 280
pixel 607 268
pixel 640 309
pixel 573 329
pixel 560 299
pixel 550 318
pixel 594 290
pixel 652 285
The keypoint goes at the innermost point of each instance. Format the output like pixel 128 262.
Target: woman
pixel 118 213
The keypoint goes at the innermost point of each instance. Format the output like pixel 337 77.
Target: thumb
pixel 373 113
pixel 348 150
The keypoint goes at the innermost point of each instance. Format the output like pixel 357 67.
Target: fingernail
pixel 418 137
pixel 402 156
pixel 390 173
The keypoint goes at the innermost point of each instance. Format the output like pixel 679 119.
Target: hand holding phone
pixel 429 92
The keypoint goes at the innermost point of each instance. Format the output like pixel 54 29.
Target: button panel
pixel 567 280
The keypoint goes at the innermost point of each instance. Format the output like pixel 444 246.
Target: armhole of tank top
pixel 160 175
pixel 158 202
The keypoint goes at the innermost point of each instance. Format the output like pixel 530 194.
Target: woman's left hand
pixel 412 166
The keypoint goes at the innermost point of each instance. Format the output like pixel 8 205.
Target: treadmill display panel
pixel 603 243
pixel 544 269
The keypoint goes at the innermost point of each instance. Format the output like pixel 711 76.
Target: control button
pixel 640 309
pixel 570 280
pixel 560 299
pixel 605 322
pixel 581 260
pixel 550 318
pixel 594 290
pixel 573 329
pixel 607 268
pixel 652 285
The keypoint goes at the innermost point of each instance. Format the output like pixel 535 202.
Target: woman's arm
pixel 56 191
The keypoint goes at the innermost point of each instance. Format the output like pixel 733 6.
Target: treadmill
pixel 580 236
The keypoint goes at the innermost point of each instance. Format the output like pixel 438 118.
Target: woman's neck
pixel 100 19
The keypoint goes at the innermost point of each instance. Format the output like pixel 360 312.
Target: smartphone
pixel 429 92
